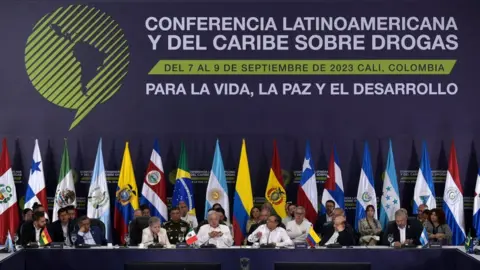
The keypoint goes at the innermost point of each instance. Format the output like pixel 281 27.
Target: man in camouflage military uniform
pixel 175 227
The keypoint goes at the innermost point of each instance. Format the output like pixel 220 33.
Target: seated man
pixel 186 216
pixel 338 231
pixel 145 210
pixel 32 230
pixel 89 235
pixel 271 233
pixel 215 233
pixel 403 232
pixel 60 229
pixel 176 228
pixel 298 228
pixel 204 222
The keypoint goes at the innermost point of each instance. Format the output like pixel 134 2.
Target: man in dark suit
pixel 339 231
pixel 61 228
pixel 89 235
pixel 32 230
pixel 327 218
pixel 404 231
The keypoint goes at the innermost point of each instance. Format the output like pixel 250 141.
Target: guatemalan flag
pixel 154 190
pixel 366 189
pixel 476 207
pixel 334 185
pixel 390 202
pixel 424 192
pixel 307 191
pixel 217 190
pixel 453 200
pixel 36 192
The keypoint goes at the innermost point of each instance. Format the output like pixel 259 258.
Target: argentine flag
pixel 476 207
pixel 390 194
pixel 333 189
pixel 453 200
pixel 98 196
pixel 424 237
pixel 366 189
pixel 217 190
pixel 424 192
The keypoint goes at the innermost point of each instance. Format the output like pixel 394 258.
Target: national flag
pixel 476 207
pixel 243 198
pixel 9 219
pixel 390 202
pixel 217 190
pixel 183 190
pixel 36 191
pixel 154 190
pixel 307 195
pixel 312 237
pixel 45 238
pixel 275 192
pixel 424 192
pixel 453 200
pixel 424 237
pixel 65 194
pixel 191 237
pixel 98 196
pixel 333 189
pixel 126 196
pixel 366 188
pixel 9 246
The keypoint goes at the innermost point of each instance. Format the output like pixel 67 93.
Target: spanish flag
pixel 126 196
pixel 45 238
pixel 275 192
pixel 243 198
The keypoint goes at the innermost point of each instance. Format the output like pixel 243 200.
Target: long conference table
pixel 375 258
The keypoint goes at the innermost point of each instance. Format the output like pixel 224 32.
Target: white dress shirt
pixel 37 234
pixel 329 218
pixel 65 234
pixel 147 237
pixel 87 238
pixel 191 220
pixel 298 233
pixel 403 234
pixel 278 236
pixel 287 219
pixel 223 241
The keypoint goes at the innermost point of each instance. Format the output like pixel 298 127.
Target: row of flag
pixel 153 191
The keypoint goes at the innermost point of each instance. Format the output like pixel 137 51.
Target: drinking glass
pixel 74 238
pixel 390 239
pixel 127 239
pixel 181 237
pixel 475 242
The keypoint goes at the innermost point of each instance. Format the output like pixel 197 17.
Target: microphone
pixel 268 244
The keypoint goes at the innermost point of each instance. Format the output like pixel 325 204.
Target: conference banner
pixel 333 73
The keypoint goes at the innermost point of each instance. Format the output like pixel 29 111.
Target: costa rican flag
pixel 334 185
pixel 453 200
pixel 154 191
pixel 307 192
pixel 476 207
pixel 366 189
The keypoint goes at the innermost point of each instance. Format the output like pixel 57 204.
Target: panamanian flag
pixel 36 191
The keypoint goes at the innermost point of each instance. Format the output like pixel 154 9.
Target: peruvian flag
pixel 453 200
pixel 307 195
pixel 9 219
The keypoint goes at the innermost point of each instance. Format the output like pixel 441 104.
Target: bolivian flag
pixel 275 192
pixel 45 238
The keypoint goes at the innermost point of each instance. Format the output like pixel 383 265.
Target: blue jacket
pixel 97 235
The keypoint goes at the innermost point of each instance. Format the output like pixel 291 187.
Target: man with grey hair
pixel 298 228
pixel 401 231
pixel 214 232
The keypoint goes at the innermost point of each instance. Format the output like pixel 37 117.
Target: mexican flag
pixel 65 194
pixel 191 237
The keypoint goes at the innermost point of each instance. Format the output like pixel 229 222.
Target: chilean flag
pixel 154 190
pixel 9 219
pixel 334 184
pixel 307 192
pixel 453 200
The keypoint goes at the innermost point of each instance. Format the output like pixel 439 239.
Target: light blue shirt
pixel 87 238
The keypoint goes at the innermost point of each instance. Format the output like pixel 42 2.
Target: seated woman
pixel 369 228
pixel 154 234
pixel 254 217
pixel 437 229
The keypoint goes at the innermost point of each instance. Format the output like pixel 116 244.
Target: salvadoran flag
pixel 476 207
pixel 453 200
pixel 390 202
pixel 36 191
pixel 333 189
pixel 424 192
pixel 307 192
pixel 366 189
pixel 154 190
pixel 217 190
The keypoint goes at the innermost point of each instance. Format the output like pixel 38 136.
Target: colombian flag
pixel 243 199
pixel 312 237
pixel 45 238
pixel 126 196
pixel 275 192
pixel 183 190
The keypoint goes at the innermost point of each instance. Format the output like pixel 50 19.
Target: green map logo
pixel 77 57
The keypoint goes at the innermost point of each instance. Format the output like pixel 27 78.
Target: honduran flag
pixel 476 207
pixel 366 189
pixel 424 192
pixel 36 191
pixel 154 190
pixel 307 191
pixel 9 219
pixel 334 185
pixel 453 200
pixel 390 201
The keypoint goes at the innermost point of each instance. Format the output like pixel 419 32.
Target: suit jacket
pixel 412 232
pixel 345 237
pixel 28 233
pixel 321 224
pixel 56 231
pixel 97 236
pixel 147 237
